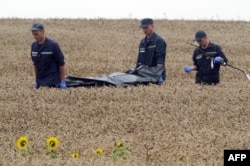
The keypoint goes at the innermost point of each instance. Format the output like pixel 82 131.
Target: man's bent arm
pixel 194 68
pixel 62 73
pixel 35 69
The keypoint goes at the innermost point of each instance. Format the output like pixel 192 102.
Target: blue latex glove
pixel 36 85
pixel 187 69
pixel 218 59
pixel 62 85
pixel 160 80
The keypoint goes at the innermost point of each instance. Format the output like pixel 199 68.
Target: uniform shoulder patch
pixel 199 56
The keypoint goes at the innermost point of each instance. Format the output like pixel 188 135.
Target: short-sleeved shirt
pixel 207 71
pixel 47 58
pixel 152 51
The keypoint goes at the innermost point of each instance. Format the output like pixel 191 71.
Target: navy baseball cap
pixel 37 26
pixel 146 22
pixel 199 35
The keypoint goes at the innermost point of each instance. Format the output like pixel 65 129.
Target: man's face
pixel 148 30
pixel 38 35
pixel 203 42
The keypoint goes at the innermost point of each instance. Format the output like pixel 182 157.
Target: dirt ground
pixel 178 123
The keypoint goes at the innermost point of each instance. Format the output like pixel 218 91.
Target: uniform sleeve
pixel 161 51
pixel 194 59
pixel 32 58
pixel 138 57
pixel 221 53
pixel 59 57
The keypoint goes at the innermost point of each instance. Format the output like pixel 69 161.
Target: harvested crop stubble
pixel 178 123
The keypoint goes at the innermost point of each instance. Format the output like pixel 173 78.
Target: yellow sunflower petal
pixel 119 144
pixel 22 143
pixel 52 143
pixel 75 155
pixel 99 151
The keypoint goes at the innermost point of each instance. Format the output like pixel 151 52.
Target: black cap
pixel 199 35
pixel 37 26
pixel 146 22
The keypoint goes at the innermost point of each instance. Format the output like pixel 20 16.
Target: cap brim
pixel 35 29
pixel 197 39
pixel 144 26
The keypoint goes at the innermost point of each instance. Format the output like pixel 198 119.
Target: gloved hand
pixel 218 59
pixel 63 85
pixel 36 85
pixel 187 69
pixel 131 71
pixel 160 80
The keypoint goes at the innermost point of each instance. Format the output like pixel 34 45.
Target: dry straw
pixel 178 123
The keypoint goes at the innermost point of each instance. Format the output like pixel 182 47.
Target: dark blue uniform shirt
pixel 152 51
pixel 207 71
pixel 47 58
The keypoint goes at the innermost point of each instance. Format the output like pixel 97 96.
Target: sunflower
pixel 52 143
pixel 75 155
pixel 22 143
pixel 119 144
pixel 99 151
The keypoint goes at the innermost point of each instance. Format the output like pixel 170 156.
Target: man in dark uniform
pixel 152 49
pixel 207 58
pixel 48 60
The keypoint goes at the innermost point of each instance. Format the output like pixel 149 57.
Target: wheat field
pixel 178 123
